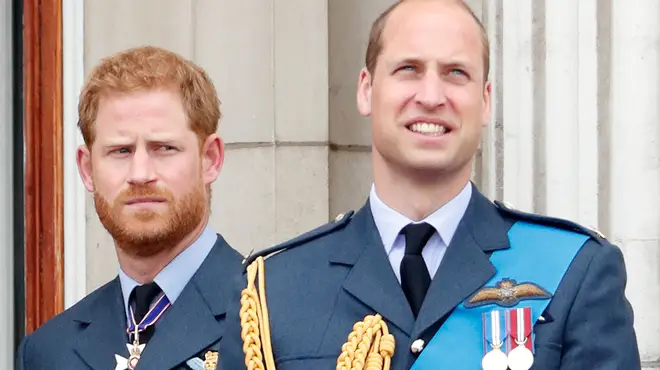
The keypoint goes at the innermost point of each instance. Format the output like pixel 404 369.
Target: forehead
pixel 141 111
pixel 438 29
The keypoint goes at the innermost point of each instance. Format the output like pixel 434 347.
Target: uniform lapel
pixel 371 279
pixel 192 322
pixel 465 267
pixel 103 328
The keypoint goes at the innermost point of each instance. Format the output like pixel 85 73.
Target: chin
pixel 432 162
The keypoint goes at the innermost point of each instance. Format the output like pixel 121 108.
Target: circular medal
pixel 494 360
pixel 520 358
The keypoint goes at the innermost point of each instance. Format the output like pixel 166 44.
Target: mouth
pixel 145 200
pixel 429 127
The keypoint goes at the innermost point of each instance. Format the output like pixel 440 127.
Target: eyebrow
pixel 120 140
pixel 453 62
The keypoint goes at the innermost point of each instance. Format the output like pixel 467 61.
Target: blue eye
pixel 407 68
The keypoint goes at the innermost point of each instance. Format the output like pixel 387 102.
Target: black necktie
pixel 142 297
pixel 415 278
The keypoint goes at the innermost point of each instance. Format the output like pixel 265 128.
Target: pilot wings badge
pixel 506 293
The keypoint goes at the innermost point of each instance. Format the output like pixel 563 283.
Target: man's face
pixel 427 97
pixel 147 170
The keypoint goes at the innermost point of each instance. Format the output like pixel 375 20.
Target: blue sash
pixel 538 254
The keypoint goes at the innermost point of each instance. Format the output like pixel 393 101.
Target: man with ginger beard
pixel 429 273
pixel 149 120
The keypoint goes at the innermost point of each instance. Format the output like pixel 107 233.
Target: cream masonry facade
pixel 574 132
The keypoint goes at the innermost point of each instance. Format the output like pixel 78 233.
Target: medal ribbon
pixel 155 313
pixel 495 333
pixel 520 321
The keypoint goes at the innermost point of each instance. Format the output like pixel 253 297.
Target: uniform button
pixel 417 346
pixel 339 217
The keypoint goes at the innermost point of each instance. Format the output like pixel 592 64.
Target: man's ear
pixel 213 157
pixel 84 161
pixel 364 93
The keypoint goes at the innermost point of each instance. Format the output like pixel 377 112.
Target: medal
pixel 494 360
pixel 521 357
pixel 494 338
pixel 131 362
pixel 135 349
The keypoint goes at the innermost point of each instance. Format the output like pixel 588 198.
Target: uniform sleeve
pixel 20 356
pixel 599 331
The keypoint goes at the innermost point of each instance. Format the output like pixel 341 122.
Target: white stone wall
pixel 574 131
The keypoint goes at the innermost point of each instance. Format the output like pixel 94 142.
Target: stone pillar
pixel 575 119
pixel 633 152
pixel 350 133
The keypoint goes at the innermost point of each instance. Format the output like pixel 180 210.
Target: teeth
pixel 428 128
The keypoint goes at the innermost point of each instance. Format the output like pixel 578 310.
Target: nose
pixel 431 93
pixel 142 171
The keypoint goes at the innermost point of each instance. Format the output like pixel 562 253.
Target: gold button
pixel 417 346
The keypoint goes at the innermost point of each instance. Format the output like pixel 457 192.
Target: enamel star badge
pixel 134 356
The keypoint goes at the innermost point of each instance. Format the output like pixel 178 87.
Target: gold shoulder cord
pixel 370 340
pixel 255 329
pixel 370 346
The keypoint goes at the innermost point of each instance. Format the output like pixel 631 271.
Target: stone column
pixel 578 88
pixel 270 66
pixel 633 152
pixel 350 133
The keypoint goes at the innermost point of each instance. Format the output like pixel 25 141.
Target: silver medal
pixel 520 358
pixel 494 360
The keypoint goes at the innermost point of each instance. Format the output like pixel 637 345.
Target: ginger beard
pixel 146 232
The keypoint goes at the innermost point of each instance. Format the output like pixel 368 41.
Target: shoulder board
pixel 337 224
pixel 559 223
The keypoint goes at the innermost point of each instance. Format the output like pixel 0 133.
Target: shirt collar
pixel 175 275
pixel 444 220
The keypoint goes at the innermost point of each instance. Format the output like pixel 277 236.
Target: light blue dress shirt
pixel 444 220
pixel 174 277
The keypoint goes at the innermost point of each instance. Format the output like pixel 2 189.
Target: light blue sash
pixel 538 254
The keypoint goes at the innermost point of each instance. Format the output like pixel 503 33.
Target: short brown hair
pixel 146 68
pixel 375 46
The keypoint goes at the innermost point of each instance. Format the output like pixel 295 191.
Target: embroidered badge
pixel 210 360
pixel 506 293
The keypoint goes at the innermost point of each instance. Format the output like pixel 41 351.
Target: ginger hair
pixel 151 68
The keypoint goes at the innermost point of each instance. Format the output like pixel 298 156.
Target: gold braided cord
pixel 370 346
pixel 255 327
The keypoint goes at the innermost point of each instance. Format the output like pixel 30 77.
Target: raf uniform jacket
pixel 89 334
pixel 325 281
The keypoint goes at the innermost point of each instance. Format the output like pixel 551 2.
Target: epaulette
pixel 337 224
pixel 559 223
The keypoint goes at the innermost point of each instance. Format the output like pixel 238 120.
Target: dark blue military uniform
pixel 325 281
pixel 89 334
